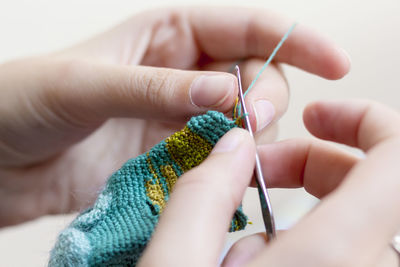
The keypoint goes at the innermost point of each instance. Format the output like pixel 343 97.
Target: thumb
pixel 96 92
pixel 202 205
pixel 59 102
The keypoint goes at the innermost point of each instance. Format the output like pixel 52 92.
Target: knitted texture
pixel 115 231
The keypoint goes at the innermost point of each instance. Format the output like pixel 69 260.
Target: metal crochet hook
pixel 266 208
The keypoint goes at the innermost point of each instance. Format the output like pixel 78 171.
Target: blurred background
pixel 367 30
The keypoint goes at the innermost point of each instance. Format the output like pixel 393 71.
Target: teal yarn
pixel 116 229
pixel 269 60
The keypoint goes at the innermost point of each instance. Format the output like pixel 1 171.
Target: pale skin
pixel 353 224
pixel 70 118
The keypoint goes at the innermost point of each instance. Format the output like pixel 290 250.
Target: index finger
pixel 231 33
pixel 360 123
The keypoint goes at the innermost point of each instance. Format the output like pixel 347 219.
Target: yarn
pixel 237 110
pixel 115 231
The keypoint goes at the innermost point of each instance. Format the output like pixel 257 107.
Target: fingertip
pixel 340 64
pixel 322 111
pixel 346 62
pixel 232 140
pixel 244 250
pixel 315 52
pixel 319 118
pixel 229 142
pixel 335 120
pixel 264 113
pixel 232 160
pixel 311 115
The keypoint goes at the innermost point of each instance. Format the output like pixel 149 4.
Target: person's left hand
pixel 71 118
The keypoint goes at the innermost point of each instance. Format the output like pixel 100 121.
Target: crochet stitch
pixel 115 231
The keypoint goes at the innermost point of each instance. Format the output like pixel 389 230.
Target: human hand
pixel 58 142
pixel 352 226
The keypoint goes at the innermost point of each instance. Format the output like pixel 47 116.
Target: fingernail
pixel 228 142
pixel 211 90
pixel 346 54
pixel 265 112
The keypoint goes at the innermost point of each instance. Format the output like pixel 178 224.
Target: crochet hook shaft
pixel 266 208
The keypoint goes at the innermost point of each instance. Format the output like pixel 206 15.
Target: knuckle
pixel 156 87
pixel 251 42
pixel 68 69
pixel 55 97
pixel 283 90
pixel 381 130
pixel 167 48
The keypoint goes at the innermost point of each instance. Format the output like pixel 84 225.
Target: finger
pixel 353 226
pixel 230 33
pixel 356 123
pixel 268 99
pixel 290 251
pixel 103 91
pixel 68 99
pixel 375 128
pixel 178 37
pixel 245 250
pixel 361 216
pixel 317 166
pixel 202 205
pixel 367 201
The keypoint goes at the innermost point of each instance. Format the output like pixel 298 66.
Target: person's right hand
pixel 359 213
pixel 352 226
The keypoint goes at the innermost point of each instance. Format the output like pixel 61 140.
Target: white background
pixel 368 30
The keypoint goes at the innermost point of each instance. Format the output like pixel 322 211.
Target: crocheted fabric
pixel 115 231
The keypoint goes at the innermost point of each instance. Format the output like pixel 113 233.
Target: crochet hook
pixel 266 208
